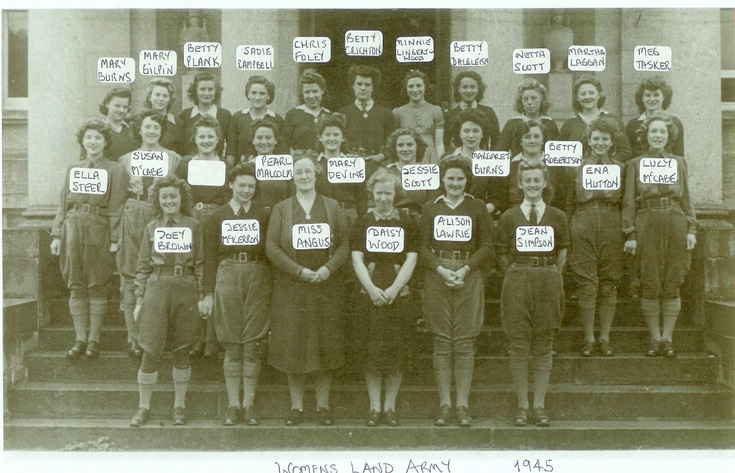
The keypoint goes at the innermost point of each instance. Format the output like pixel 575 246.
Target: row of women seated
pixel 296 297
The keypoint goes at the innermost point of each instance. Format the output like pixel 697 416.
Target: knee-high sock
pixel 323 384
pixel 392 384
pixel 250 373
pixel 97 312
pixel 442 361
pixel 607 313
pixel 296 388
pixel 374 381
pixel 651 310
pixel 181 385
pixel 541 374
pixel 670 309
pixel 79 310
pixel 587 314
pixel 146 382
pixel 233 375
pixel 464 365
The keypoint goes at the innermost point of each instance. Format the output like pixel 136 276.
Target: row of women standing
pixel 164 299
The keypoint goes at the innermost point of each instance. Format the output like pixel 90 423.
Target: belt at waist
pixel 658 203
pixel 86 208
pixel 452 255
pixel 142 197
pixel 204 205
pixel 598 204
pixel 408 210
pixel 535 260
pixel 173 270
pixel 244 257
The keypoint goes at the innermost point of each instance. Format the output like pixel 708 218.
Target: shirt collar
pixel 584 120
pixel 212 112
pixel 394 215
pixel 305 109
pixel 450 204
pixel 321 156
pixel 463 105
pixel 368 107
pixel 175 219
pixel 540 208
pixel 236 207
pixel 268 112
pixel 642 117
pixel 171 118
pixel 526 119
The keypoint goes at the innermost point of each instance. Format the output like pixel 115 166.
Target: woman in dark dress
pixel 300 126
pixel 384 254
pixel 205 91
pixel 531 103
pixel 653 95
pixel 469 89
pixel 264 139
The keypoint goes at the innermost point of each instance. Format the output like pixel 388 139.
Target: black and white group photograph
pixel 443 234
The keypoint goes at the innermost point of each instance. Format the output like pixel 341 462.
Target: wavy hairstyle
pixel 206 121
pixel 98 125
pixel 171 181
pixel 532 84
pixel 364 71
pixel 456 162
pixel 641 133
pixel 270 87
pixel 191 92
pixel 262 123
pixel 524 128
pixel 468 75
pixel 652 84
pixel 587 79
pixel 533 165
pixel 474 116
pixel 390 152
pixel 604 125
pixel 382 175
pixel 413 74
pixel 122 92
pixel 332 119
pixel 160 119
pixel 310 76
pixel 160 82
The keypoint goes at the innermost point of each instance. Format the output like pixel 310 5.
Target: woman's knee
pixel 150 361
pixel 181 359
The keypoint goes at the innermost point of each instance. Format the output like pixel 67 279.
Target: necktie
pixel 364 111
pixel 169 259
pixel 241 213
pixel 533 215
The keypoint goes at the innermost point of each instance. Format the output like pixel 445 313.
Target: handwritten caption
pixel 311 236
pixel 415 49
pixel 157 63
pixel 364 43
pixel 384 239
pixel 148 163
pixel 116 70
pixel 424 177
pixel 413 466
pixel 491 163
pixel 172 239
pixel 534 238
pixel 206 173
pixel 254 58
pixel 274 167
pixel 531 61
pixel 601 177
pixel 345 170
pixel 468 53
pixel 658 171
pixel 452 228
pixel 586 58
pixel 563 153
pixel 202 54
pixel 312 49
pixel 240 232
pixel 87 181
pixel 652 58
pixel 530 465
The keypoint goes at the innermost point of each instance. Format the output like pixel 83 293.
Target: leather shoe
pixel 605 348
pixel 390 418
pixel 463 416
pixel 444 416
pixel 653 348
pixel 325 416
pixel 77 350
pixel 232 416
pixel 588 348
pixel 141 417
pixel 135 351
pixel 667 349
pixel 197 350
pixel 295 417
pixel 249 417
pixel 93 350
pixel 540 418
pixel 373 419
pixel 521 419
pixel 179 416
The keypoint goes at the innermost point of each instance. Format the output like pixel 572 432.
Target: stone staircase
pixel 625 402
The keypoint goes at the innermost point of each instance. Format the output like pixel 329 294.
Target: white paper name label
pixel 452 228
pixel 364 43
pixel 87 181
pixel 658 171
pixel 586 58
pixel 148 163
pixel 491 163
pixel 116 70
pixel 652 58
pixel 172 239
pixel 563 153
pixel 535 238
pixel 274 167
pixel 157 63
pixel 384 239
pixel 345 170
pixel 311 236
pixel 468 53
pixel 312 49
pixel 240 232
pixel 531 61
pixel 601 177
pixel 254 58
pixel 202 54
pixel 415 49
pixel 424 177
pixel 206 173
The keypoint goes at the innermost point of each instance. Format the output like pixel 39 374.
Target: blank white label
pixel 658 171
pixel 534 238
pixel 148 163
pixel 87 181
pixel 563 153
pixel 206 173
pixel 384 239
pixel 531 61
pixel 274 167
pixel 491 163
pixel 468 53
pixel 423 177
pixel 586 58
pixel 601 177
pixel 311 236
pixel 116 70
pixel 172 240
pixel 345 170
pixel 157 63
pixel 364 43
pixel 202 54
pixel 415 49
pixel 240 232
pixel 254 58
pixel 652 58
pixel 312 49
pixel 452 228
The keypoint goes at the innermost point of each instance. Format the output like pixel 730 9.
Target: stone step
pixel 689 368
pixel 491 341
pixel 207 401
pixel 412 434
